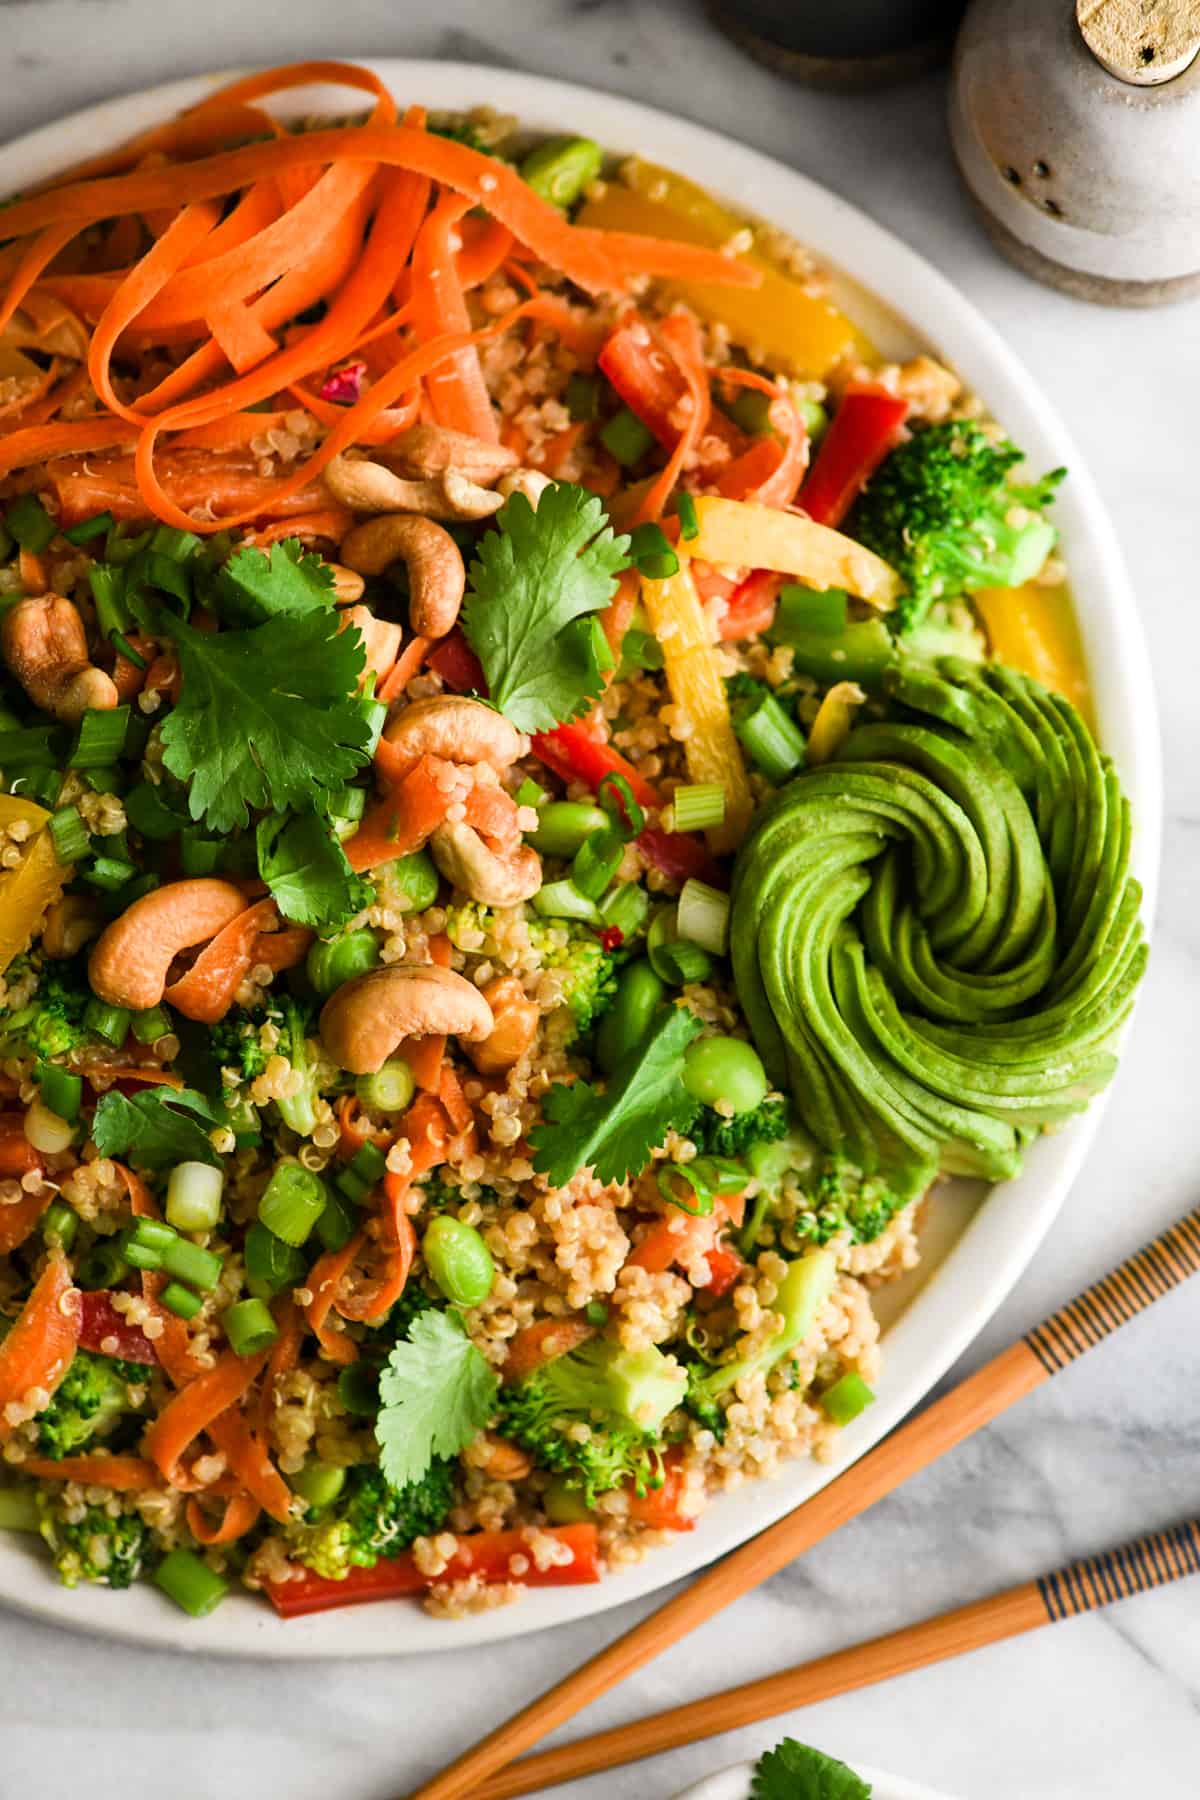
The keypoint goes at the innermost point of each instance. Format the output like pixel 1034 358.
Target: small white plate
pixel 734 1784
pixel 973 1253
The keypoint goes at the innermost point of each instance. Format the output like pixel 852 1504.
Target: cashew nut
pixel 432 449
pixel 369 487
pixel 499 1457
pixel 129 964
pixel 45 646
pixel 347 585
pixel 365 1019
pixel 45 325
pixel 484 874
pixel 516 1026
pixel 436 576
pixel 530 482
pixel 381 639
pixel 458 729
pixel 70 923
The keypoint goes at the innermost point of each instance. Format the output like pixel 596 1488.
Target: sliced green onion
pixel 60 1224
pixel 104 1266
pixel 26 747
pixel 703 916
pixel 389 1089
pixel 108 593
pixel 149 814
pixel 816 419
pixel 530 794
pixel 149 1026
pixel 650 549
pixel 337 1224
pixel 108 873
pixel 292 1202
pixel 139 1257
pixel 18 1510
pixel 124 894
pixel 318 1483
pixel 69 835
pixel 187 1580
pixel 561 168
pixel 848 1397
pixel 61 1091
pixel 685 511
pixel 249 1327
pixel 597 861
pixel 673 959
pixel 346 808
pixel 369 1163
pixel 169 540
pixel 626 438
pixel 47 1130
pixel 271 1265
pixel 42 785
pixel 582 397
pixel 188 1262
pixel 100 738
pixel 563 900
pixel 152 1234
pixel 616 797
pixel 812 609
pixel 180 1300
pixel 199 855
pixel 375 713
pixel 108 1022
pixel 626 908
pixel 775 743
pixel 123 647
pixel 720 1173
pixel 596 1313
pixel 107 780
pixel 697 1198
pixel 349 1184
pixel 358 1389
pixel 194 1196
pixel 87 529
pixel 639 650
pixel 698 806
pixel 29 523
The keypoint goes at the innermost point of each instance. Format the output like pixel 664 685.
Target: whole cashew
pixel 458 729
pixel 381 639
pixel 436 576
pixel 499 1457
pixel 530 482
pixel 369 487
pixel 484 874
pixel 45 646
pixel 70 923
pixel 347 584
pixel 432 449
pixel 514 1031
pixel 129 964
pixel 365 1019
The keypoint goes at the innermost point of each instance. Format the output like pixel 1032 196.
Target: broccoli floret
pixel 52 1023
pixel 844 1199
pixel 96 1547
pixel 941 510
pixel 468 923
pixel 805 1287
pixel 589 970
pixel 93 1395
pixel 236 1044
pixel 621 1396
pixel 716 1135
pixel 370 1520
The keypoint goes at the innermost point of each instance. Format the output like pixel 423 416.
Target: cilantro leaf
pixel 265 716
pixel 306 869
pixel 532 583
pixel 615 1131
pixel 156 1127
pixel 254 585
pixel 436 1393
pixel 795 1771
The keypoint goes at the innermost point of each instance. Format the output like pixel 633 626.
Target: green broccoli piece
pixel 621 1396
pixel 942 511
pixel 844 1199
pixel 90 1400
pixel 369 1520
pixel 716 1135
pixel 590 970
pixel 235 1043
pixel 467 922
pixel 97 1548
pixel 52 1022
pixel 807 1285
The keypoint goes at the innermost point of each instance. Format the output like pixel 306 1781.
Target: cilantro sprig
pixel 436 1393
pixel 795 1771
pixel 536 584
pixel 256 585
pixel 306 869
pixel 268 718
pixel 156 1128
pixel 614 1131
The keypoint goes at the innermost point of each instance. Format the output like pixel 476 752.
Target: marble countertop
pixel 1094 1709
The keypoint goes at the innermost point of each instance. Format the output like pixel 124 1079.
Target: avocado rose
pixel 936 938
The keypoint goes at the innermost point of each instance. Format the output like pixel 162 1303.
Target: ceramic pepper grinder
pixel 1076 125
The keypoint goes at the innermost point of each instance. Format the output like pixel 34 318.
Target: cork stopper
pixel 1145 42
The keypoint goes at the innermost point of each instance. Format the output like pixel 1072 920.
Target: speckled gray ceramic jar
pixel 1087 181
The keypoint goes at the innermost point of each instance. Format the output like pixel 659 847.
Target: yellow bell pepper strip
pixel 833 723
pixel 33 885
pixel 713 753
pixel 743 534
pixel 1034 629
pixel 788 329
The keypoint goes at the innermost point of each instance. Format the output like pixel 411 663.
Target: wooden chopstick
pixel 1043 1352
pixel 1094 1581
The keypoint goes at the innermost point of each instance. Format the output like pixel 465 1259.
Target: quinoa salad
pixel 547 796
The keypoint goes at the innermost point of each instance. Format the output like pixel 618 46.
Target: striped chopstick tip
pixel 1135 1568
pixel 1119 1297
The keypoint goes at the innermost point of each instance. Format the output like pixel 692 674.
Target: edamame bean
pixel 411 882
pixel 458 1260
pixel 725 1069
pixel 638 997
pixel 565 825
pixel 332 962
pixel 561 168
pixel 319 1483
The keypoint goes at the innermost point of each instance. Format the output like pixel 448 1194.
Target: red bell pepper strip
pixel 724 1267
pixel 659 1507
pixel 487 1554
pixel 454 660
pixel 651 385
pixel 100 1323
pixel 868 423
pixel 751 606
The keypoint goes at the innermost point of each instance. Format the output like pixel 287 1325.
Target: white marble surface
pixel 1094 1709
